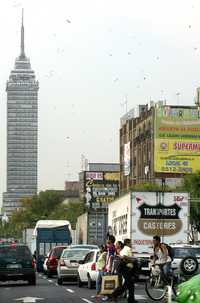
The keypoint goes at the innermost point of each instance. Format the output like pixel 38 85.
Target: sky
pixel 89 57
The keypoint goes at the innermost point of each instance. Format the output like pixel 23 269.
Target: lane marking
pixel 50 281
pixel 86 300
pixel 70 290
pixel 56 284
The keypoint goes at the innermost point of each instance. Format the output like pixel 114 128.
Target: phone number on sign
pixel 176 169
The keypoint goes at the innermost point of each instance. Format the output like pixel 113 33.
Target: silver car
pixel 186 259
pixel 69 262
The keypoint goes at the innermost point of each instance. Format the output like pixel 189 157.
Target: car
pixel 69 262
pixel 186 259
pixel 52 262
pixel 45 263
pixel 143 268
pixel 87 273
pixel 17 263
pixel 87 246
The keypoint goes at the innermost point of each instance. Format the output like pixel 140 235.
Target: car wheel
pixel 32 280
pixel 189 265
pixel 60 281
pixel 80 283
pixel 90 286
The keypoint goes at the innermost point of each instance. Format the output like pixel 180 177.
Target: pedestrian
pixel 126 270
pixel 110 246
pixel 117 258
pixel 110 253
pixel 101 264
pixel 34 254
pixel 118 247
pixel 117 261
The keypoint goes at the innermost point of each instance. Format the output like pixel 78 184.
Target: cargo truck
pixel 141 215
pixel 48 234
pixel 91 227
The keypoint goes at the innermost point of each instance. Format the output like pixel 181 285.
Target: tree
pixel 45 205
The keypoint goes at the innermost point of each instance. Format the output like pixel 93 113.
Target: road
pixel 47 290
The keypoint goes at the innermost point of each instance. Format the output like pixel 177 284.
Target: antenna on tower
pixel 22 53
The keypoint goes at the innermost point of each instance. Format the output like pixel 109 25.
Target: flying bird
pixel 129 53
pixel 116 79
pixel 68 21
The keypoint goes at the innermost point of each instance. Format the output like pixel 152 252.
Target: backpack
pixel 171 251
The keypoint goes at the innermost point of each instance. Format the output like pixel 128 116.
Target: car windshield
pixel 182 252
pixel 75 254
pixel 7 253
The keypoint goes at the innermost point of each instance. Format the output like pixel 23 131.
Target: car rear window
pixel 58 251
pixel 182 252
pixel 75 254
pixel 15 252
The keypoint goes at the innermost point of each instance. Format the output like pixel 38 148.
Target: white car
pixel 87 273
pixel 186 259
pixel 69 262
pixel 45 263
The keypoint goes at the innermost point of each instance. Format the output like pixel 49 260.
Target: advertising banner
pixel 94 175
pixel 102 188
pixel 177 140
pixel 127 159
pixel 162 214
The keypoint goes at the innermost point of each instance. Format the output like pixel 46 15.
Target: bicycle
pixel 156 286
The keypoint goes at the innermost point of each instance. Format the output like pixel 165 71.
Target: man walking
pixel 126 269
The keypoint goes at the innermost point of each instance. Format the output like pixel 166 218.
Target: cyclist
pixel 162 258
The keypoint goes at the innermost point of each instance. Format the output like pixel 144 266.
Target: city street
pixel 47 290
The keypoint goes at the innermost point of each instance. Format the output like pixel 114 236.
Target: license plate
pixel 74 264
pixel 14 266
pixel 145 268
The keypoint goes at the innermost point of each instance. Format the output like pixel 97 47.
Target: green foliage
pixel 69 212
pixel 45 205
pixel 148 186
pixel 192 185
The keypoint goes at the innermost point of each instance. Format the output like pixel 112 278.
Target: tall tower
pixel 22 132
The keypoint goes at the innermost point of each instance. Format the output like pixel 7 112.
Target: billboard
pixel 102 189
pixel 162 214
pixel 176 140
pixel 127 159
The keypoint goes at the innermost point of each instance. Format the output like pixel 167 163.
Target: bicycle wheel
pixel 155 288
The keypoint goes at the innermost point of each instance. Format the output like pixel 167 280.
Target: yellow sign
pixel 177 140
pixel 112 176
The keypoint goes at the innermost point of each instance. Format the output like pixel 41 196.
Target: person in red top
pixel 110 253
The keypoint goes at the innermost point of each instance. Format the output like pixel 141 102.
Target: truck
pixel 27 238
pixel 48 234
pixel 91 227
pixel 141 215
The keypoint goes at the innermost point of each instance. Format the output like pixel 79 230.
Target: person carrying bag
pixel 126 269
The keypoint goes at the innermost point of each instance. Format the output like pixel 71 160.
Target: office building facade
pixel 22 132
